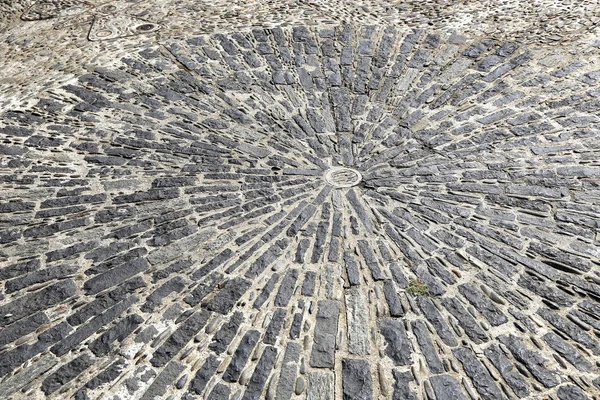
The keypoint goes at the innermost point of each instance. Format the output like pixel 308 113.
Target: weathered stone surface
pixel 275 326
pixel 66 373
pixel 166 378
pixel 427 348
pixel 226 298
pixel 401 388
pixel 226 333
pixel 336 174
pixel 241 355
pixel 398 346
pixel 531 359
pixel 323 348
pixel 571 392
pixel 289 370
pixel 179 338
pixel 24 377
pixel 507 370
pixel 37 301
pixel 483 382
pixel 84 331
pixel 357 316
pixel 446 387
pixel 356 379
pixel 208 369
pixel 321 386
pixel 261 374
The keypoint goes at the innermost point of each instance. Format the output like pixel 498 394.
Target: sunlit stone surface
pixel 299 200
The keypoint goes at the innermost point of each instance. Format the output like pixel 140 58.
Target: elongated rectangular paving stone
pixel 289 370
pixel 186 331
pixel 162 382
pixel 261 374
pixel 356 380
pixel 241 355
pixel 323 349
pixel 321 386
pixel 357 315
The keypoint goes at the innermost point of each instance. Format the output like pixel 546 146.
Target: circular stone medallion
pixel 341 177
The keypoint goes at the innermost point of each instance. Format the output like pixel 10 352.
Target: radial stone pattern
pixel 353 212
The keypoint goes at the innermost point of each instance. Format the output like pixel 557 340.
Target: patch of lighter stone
pixel 342 177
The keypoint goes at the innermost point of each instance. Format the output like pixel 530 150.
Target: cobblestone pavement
pixel 299 200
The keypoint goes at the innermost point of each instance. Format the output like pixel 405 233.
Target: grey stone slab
pixel 289 371
pixel 261 374
pixel 532 360
pixel 321 386
pixel 241 355
pixel 402 390
pixel 226 298
pixel 223 337
pixel 483 382
pixel 357 383
pixel 66 373
pixel 37 301
pixel 325 332
pixel 25 376
pixel 162 382
pixel 357 317
pixel 180 338
pixel 204 374
pixel 446 387
pixel 398 346
pixel 428 350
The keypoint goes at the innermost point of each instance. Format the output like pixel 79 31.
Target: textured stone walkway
pixel 300 200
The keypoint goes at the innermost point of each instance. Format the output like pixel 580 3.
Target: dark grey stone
pixel 352 269
pixel 568 352
pixel 446 387
pixel 162 382
pixel 261 374
pixel 427 348
pixel 42 275
pixel 532 360
pixel 23 327
pixel 393 301
pixel 570 329
pixel 66 373
pixel 356 380
pixel 571 392
pixel 308 286
pixel 287 288
pixel 223 337
pixel 204 374
pixel 220 392
pixel 483 382
pixel 119 332
pixel 225 299
pixel 289 371
pixel 154 300
pixel 112 372
pixel 274 326
pixel 179 338
pixel 323 348
pixel 241 355
pixel 401 389
pixel 115 276
pixel 439 324
pixel 37 301
pixel 84 331
pixel 467 322
pixel 398 346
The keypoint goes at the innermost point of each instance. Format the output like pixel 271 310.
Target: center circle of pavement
pixel 341 177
